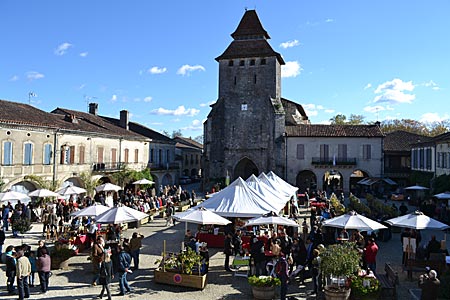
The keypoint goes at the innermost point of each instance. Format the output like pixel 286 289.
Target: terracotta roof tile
pixel 319 130
pixel 402 140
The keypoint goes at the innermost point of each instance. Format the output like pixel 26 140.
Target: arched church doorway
pixel 333 182
pixel 306 179
pixel 245 168
pixel 167 180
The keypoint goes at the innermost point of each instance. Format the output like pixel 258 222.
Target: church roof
pixel 294 112
pixel 250 26
pixel 400 140
pixel 319 130
pixel 250 40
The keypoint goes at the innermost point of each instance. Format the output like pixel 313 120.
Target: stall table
pixel 213 240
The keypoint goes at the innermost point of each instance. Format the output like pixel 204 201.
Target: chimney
pixel 93 108
pixel 124 119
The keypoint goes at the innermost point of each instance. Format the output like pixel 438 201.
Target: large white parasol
pixel 417 220
pixel 202 216
pixel 121 214
pixel 271 219
pixel 14 197
pixel 108 187
pixel 71 190
pixel 353 220
pixel 42 193
pixel 144 181
pixel 90 211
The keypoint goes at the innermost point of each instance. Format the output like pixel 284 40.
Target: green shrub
pixel 264 281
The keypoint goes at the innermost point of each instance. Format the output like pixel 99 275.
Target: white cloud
pixel 207 104
pixel 394 92
pixel 14 78
pixel 311 110
pixel 62 49
pixel 157 70
pixel 84 54
pixel 179 111
pixel 368 86
pixel 113 98
pixel 432 84
pixel 374 109
pixel 289 44
pixel 329 111
pixel 433 117
pixel 187 69
pixel 291 69
pixel 148 99
pixel 33 75
pixel 196 125
pixel 81 86
pixel 329 20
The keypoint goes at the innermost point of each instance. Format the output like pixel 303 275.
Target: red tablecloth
pixel 213 241
pixel 317 204
pixel 80 240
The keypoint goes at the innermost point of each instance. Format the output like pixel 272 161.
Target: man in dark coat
pixel 430 285
pixel 228 250
pixel 259 258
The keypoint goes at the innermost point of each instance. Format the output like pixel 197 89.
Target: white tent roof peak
pixel 239 200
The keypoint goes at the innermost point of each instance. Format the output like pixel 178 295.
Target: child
pixel 32 259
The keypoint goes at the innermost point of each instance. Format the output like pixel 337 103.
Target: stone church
pixel 244 132
pixel 251 127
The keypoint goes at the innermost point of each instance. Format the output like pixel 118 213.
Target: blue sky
pixel 381 59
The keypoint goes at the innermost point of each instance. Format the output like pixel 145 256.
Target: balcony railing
pixel 349 161
pixel 164 166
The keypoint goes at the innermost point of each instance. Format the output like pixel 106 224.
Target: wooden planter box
pixel 172 278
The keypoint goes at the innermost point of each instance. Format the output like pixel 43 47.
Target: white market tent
pixel 239 200
pixel 268 193
pixel 292 190
pixel 263 178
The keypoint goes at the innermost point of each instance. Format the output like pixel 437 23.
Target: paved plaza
pixel 75 282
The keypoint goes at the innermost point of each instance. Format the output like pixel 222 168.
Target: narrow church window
pixel 234 80
pixel 252 62
pixel 230 63
pixel 242 63
pixel 254 78
pixel 263 61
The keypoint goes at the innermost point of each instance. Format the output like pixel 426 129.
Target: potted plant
pixel 263 287
pixel 364 288
pixel 337 263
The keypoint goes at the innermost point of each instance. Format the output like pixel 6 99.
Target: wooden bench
pixel 388 282
pixel 413 265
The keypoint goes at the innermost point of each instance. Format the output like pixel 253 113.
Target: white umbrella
pixel 353 220
pixel 202 216
pixel 121 214
pixel 417 220
pixel 108 187
pixel 443 196
pixel 271 219
pixel 143 181
pixel 12 196
pixel 416 188
pixel 42 193
pixel 71 190
pixel 90 211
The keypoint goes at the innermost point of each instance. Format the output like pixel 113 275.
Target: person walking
pixel 282 272
pixel 106 275
pixel 10 268
pixel 2 239
pixel 43 264
pixel 97 257
pixel 169 212
pixel 135 248
pixel 23 270
pixel 124 269
pixel 5 216
pixel 228 250
pixel 32 259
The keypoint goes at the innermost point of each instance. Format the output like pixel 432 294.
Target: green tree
pixel 89 182
pixel 43 182
pixel 408 125
pixel 437 128
pixel 339 119
pixel 356 119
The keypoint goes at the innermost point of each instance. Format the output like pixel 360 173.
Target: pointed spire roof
pixel 250 26
pixel 250 40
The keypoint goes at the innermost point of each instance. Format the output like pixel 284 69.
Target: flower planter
pixel 333 293
pixel 179 279
pixel 263 292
